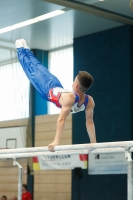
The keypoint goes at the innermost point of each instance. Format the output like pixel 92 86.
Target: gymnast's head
pixel 82 82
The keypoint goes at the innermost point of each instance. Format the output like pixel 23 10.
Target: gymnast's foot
pixel 52 145
pixel 19 43
pixel 25 44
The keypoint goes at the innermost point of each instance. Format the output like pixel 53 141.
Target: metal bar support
pixel 15 163
pixel 129 175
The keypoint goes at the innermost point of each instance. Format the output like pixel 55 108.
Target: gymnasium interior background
pixel 100 36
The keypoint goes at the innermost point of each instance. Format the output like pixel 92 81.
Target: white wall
pixel 18 133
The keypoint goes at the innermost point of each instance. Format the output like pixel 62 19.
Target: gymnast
pixel 52 90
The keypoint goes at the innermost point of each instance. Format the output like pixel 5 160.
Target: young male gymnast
pixel 52 90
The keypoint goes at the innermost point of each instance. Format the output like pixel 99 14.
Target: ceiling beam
pixel 94 10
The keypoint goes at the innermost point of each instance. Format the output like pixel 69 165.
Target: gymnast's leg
pixel 38 75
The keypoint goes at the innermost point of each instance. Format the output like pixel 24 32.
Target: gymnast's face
pixel 75 84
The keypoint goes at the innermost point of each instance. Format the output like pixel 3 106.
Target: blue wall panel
pixel 107 57
pixel 40 103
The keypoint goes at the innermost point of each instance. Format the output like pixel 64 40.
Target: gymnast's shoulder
pixel 67 97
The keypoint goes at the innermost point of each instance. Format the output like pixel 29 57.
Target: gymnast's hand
pixel 52 145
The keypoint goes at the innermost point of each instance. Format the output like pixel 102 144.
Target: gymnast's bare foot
pixel 52 145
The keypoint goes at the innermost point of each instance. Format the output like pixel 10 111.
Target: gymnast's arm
pixel 67 102
pixel 89 121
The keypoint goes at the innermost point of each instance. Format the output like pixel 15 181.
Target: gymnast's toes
pixel 18 43
pixel 25 44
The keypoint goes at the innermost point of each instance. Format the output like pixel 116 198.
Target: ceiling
pixel 58 31
pixel 119 6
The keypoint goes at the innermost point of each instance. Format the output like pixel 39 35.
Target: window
pixel 14 92
pixel 61 65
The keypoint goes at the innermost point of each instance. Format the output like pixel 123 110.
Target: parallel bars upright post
pixel 19 179
pixel 129 175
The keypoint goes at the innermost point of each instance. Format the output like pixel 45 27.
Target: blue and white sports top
pixel 54 96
